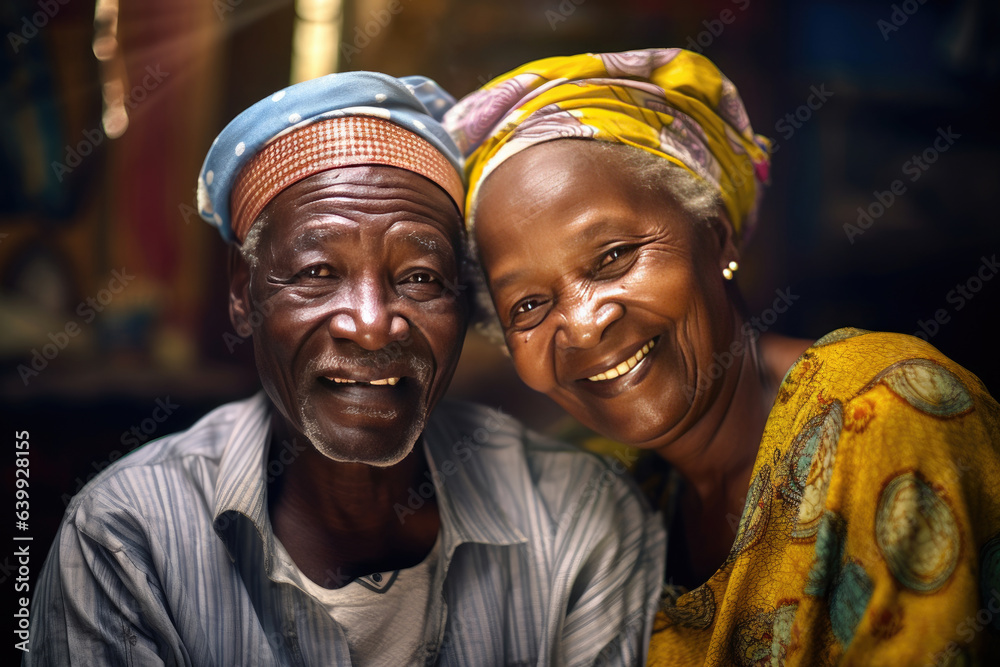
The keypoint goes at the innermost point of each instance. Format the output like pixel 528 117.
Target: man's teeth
pixel 389 381
pixel 625 366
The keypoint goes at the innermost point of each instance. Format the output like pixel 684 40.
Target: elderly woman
pixel 826 501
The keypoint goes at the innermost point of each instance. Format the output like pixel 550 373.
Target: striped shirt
pixel 548 555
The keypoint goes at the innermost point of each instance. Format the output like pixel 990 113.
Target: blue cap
pixel 414 103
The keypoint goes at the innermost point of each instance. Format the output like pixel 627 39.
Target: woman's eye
pixel 528 313
pixel 614 255
pixel 526 307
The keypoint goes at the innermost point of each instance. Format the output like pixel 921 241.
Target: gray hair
pixel 252 242
pixel 696 197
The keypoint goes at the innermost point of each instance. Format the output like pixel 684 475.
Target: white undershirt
pixel 382 614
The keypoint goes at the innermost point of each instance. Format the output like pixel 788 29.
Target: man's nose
pixel 584 319
pixel 368 316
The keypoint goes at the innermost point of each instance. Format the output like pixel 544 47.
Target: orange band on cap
pixel 328 144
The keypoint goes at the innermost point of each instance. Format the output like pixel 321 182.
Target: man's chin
pixel 374 447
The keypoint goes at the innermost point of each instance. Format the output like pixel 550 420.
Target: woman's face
pixel 611 297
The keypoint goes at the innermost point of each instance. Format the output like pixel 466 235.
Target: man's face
pixel 361 322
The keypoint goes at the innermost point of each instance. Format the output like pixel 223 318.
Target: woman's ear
pixel 725 238
pixel 239 292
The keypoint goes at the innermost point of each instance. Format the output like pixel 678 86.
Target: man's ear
pixel 239 292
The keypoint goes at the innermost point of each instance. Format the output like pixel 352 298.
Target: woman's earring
pixel 728 272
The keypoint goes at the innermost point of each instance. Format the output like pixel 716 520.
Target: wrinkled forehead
pixel 342 203
pixel 565 173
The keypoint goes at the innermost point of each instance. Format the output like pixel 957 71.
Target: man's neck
pixel 339 521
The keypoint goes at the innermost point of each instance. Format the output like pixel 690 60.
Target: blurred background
pixel 113 292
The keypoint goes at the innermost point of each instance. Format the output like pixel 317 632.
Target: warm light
pixel 316 38
pixel 318 10
pixel 114 118
pixel 115 122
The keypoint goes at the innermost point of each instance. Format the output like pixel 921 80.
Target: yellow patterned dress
pixel 871 531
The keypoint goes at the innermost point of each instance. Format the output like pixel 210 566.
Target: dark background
pixel 898 73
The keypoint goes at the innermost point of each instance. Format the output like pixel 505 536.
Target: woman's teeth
pixel 625 366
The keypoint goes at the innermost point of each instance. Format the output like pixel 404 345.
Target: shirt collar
pixel 470 506
pixel 465 473
pixel 241 491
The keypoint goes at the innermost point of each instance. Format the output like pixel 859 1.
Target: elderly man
pixel 343 516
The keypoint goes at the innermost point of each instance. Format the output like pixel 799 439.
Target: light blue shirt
pixel 548 555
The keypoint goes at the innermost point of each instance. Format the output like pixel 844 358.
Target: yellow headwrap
pixel 670 102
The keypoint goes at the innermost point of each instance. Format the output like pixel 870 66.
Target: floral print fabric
pixel 871 530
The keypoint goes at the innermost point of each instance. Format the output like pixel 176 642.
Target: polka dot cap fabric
pixel 410 106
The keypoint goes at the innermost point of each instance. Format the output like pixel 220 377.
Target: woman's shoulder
pixel 858 360
pixel 886 398
pixel 877 346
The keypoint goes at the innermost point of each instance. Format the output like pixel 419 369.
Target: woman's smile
pixel 625 367
pixel 611 384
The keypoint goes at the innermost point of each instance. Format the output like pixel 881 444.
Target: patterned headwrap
pixel 673 103
pixel 339 120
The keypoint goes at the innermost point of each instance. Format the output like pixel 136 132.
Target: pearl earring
pixel 728 272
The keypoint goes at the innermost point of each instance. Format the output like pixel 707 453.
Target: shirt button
pixel 377 578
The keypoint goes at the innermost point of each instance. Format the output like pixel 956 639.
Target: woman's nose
pixel 584 321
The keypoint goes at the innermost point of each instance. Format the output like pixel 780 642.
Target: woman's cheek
pixel 531 366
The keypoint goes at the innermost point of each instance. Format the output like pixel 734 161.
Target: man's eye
pixel 317 271
pixel 421 286
pixel 421 278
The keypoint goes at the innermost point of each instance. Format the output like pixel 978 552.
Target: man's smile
pixel 384 381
